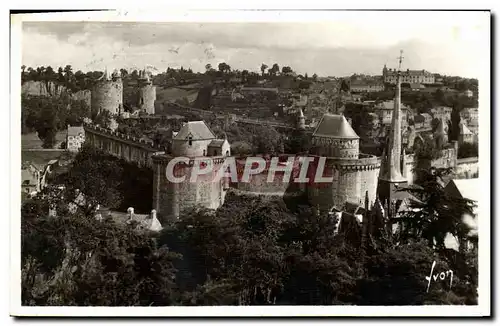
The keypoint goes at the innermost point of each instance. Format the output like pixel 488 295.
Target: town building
pixel 442 113
pixel 385 110
pixel 75 137
pixel 31 176
pixel 366 86
pixel 423 121
pixel 466 189
pixel 465 135
pixel 408 76
pixel 416 87
pixel 471 117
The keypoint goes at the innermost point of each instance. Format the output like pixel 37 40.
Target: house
pixel 465 135
pixel 416 87
pixel 423 121
pixel 75 137
pixel 441 113
pixel 466 189
pixel 384 111
pixel 366 86
pixel 31 175
pixel 471 117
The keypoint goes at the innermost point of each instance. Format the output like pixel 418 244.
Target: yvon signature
pixel 442 276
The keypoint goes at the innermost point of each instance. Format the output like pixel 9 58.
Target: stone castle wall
pixel 147 98
pixel 171 199
pixel 120 145
pixel 352 178
pixel 107 95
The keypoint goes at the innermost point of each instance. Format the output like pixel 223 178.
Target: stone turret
pixel 146 93
pixel 107 93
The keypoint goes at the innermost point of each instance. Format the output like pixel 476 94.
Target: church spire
pixel 393 172
pixel 391 175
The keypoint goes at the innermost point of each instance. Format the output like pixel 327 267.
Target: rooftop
pixel 334 126
pixel 465 188
pixel 464 130
pixel 216 143
pixel 74 131
pixel 198 130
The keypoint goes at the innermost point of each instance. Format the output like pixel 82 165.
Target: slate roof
pixel 197 129
pixel 335 126
pixel 464 130
pixel 216 143
pixel 464 188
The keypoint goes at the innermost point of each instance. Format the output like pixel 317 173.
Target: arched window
pixel 190 140
pixel 204 153
pixel 227 153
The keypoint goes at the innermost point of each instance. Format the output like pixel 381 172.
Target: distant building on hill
pixel 408 76
pixel 366 86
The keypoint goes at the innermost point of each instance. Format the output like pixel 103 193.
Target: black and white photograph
pixel 250 163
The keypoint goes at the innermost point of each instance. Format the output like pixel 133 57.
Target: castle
pixel 356 177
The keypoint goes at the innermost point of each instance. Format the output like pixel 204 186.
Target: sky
pixel 441 42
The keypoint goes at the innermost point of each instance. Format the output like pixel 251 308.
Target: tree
pixel 263 68
pixel 208 67
pixel 266 140
pixel 224 67
pixel 286 70
pixel 75 260
pixel 274 69
pixel 436 213
pixel 399 273
pixel 314 77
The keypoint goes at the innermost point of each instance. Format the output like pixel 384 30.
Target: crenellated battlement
pixel 118 136
pixel 363 163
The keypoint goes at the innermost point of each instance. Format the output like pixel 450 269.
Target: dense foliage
pixel 108 181
pixel 48 115
pixel 252 251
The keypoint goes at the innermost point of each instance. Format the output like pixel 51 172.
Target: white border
pixel 181 15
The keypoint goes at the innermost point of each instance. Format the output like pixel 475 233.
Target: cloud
pixel 326 48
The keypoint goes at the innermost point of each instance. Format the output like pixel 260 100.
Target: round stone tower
pixel 107 94
pixel 147 93
pixel 334 137
pixel 194 148
pixel 352 174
